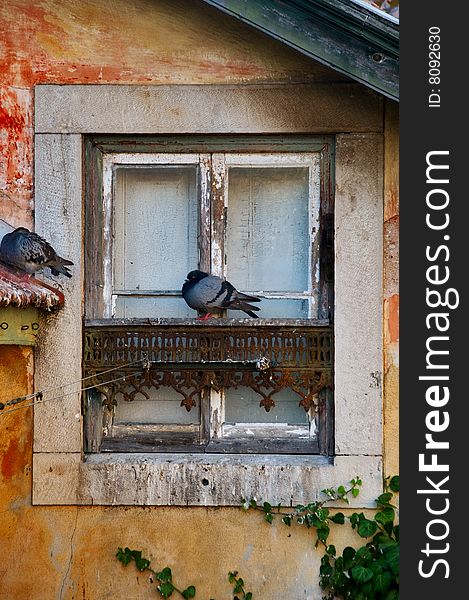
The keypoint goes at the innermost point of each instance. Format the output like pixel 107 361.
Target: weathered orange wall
pixel 107 41
pixel 68 552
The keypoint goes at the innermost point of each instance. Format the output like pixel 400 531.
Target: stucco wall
pixel 68 552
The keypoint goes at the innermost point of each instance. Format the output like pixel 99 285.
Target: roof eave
pixel 344 35
pixel 21 292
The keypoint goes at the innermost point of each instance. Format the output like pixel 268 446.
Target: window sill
pixel 140 479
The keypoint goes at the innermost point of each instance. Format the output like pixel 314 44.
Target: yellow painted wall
pixel 66 552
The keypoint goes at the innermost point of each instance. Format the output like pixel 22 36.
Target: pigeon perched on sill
pixel 29 252
pixel 211 294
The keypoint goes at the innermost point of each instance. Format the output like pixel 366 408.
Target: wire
pixel 51 389
pixel 90 387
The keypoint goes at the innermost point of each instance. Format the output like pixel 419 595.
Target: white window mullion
pixel 205 212
pixel 219 185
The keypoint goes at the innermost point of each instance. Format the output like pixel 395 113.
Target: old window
pixel 69 166
pixel 248 211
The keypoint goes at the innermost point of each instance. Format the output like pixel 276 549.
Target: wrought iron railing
pixel 132 356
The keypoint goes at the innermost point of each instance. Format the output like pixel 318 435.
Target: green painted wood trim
pixel 338 33
pixel 19 326
pixel 212 143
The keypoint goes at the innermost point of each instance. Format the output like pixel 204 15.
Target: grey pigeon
pixel 209 293
pixel 29 252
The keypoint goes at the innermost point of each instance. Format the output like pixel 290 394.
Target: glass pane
pixel 242 406
pixel 282 309
pixel 163 406
pixel 267 238
pixel 154 307
pixel 155 227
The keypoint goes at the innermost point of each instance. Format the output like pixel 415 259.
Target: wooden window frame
pixel 215 157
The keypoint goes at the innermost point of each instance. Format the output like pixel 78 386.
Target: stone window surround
pixel 63 115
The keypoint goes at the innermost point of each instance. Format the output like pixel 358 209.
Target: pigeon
pixel 29 252
pixel 209 293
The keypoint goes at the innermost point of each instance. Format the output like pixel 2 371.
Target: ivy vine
pixel 369 572
pixel 165 586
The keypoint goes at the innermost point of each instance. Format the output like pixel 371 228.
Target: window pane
pixel 155 227
pixel 267 238
pixel 283 309
pixel 242 406
pixel 163 406
pixel 127 307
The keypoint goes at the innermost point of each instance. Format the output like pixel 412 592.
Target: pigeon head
pixel 195 276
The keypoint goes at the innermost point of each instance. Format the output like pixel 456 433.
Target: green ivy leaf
pixel 355 492
pixel 322 513
pixel 331 550
pixel 361 574
pixel 123 556
pixel 238 586
pixel 341 490
pixel 366 528
pixel 329 492
pixel 269 517
pixel 348 556
pixel 322 532
pixel 326 569
pixel 165 575
pixel 166 589
pixel 385 516
pixel 253 503
pixel 287 520
pixel 267 507
pixel 189 592
pixel 142 564
pixel 384 499
pixel 388 527
pixel 338 518
pixel 392 595
pixel 382 582
pixel 391 555
pixel 363 554
pixel 248 596
pixel 368 589
pixel 394 483
pixel 354 520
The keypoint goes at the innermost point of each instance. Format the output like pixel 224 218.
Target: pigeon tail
pixel 58 267
pixel 242 296
pixel 245 307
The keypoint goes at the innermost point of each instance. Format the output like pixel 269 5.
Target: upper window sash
pixel 213 183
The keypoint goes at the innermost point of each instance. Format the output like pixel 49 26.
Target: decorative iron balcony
pixel 131 356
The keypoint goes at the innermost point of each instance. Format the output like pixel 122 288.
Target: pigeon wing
pixel 213 292
pixel 36 250
pixel 229 297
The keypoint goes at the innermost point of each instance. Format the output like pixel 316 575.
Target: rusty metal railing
pixel 188 356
